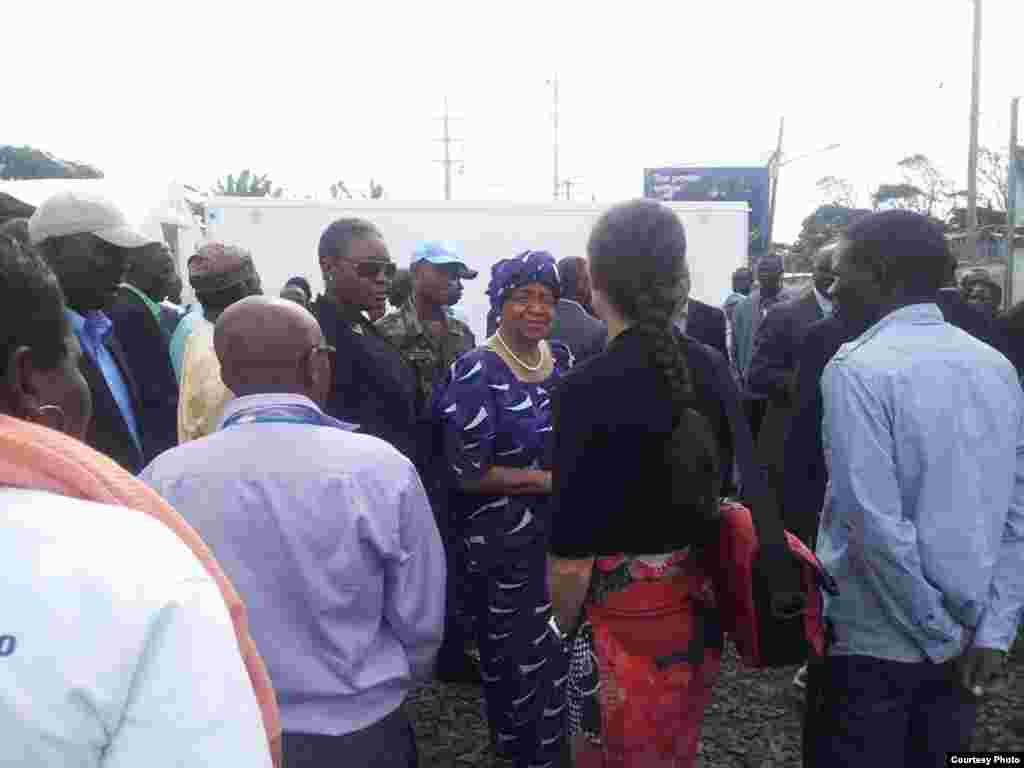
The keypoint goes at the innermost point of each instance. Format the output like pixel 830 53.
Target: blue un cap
pixel 439 253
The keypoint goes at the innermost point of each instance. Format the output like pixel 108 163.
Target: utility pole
pixel 972 159
pixel 447 140
pixel 569 184
pixel 1012 202
pixel 776 162
pixel 554 121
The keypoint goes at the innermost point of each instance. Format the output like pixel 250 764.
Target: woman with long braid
pixel 642 449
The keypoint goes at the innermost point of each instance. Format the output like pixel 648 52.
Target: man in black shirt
pixel 373 387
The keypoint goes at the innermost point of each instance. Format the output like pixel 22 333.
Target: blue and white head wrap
pixel 528 267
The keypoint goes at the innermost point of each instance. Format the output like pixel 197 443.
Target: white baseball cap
pixel 77 213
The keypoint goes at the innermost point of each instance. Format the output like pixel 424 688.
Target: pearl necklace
pixel 530 368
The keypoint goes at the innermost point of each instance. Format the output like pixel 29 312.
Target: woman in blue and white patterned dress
pixel 496 415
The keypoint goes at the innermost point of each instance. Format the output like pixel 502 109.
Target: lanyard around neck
pixel 275 414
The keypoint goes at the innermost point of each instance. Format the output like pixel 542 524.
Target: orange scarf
pixel 39 458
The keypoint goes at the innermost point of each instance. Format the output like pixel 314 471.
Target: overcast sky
pixel 311 92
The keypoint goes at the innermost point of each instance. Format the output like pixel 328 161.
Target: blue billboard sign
pixel 750 184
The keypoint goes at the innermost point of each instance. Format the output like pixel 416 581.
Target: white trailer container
pixel 283 235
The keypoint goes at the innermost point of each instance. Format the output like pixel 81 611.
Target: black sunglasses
pixel 370 270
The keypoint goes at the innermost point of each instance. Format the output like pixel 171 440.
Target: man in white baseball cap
pixel 74 213
pixel 88 243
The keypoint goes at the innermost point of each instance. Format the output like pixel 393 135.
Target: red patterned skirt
pixel 644 663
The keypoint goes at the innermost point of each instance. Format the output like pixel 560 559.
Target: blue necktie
pixel 97 328
pixel 94 332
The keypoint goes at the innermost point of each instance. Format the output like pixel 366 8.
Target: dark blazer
pixel 706 324
pixel 147 353
pixel 805 471
pixel 612 417
pixel 585 336
pixel 805 475
pixel 975 322
pixel 108 432
pixel 372 386
pixel 778 338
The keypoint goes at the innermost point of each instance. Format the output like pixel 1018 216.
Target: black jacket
pixel 147 354
pixel 776 344
pixel 612 417
pixel 706 324
pixel 585 336
pixel 108 432
pixel 372 385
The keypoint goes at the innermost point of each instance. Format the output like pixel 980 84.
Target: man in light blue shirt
pixel 923 524
pixel 327 535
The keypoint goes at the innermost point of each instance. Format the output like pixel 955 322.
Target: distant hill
pixel 31 163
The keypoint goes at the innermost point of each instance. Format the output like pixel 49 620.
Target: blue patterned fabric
pixel 528 267
pixel 491 418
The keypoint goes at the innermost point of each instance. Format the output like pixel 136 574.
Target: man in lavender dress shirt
pixel 326 533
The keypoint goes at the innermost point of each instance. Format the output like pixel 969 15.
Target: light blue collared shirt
pixel 923 524
pixel 180 336
pixel 99 354
pixel 824 302
pixel 328 536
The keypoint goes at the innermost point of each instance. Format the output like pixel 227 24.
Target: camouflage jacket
pixel 428 356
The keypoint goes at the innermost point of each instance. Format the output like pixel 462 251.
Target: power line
pixel 447 140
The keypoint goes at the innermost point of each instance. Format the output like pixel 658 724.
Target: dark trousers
pixel 451 657
pixel 755 410
pixel 388 743
pixel 863 711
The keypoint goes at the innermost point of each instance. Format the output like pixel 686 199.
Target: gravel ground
pixel 752 723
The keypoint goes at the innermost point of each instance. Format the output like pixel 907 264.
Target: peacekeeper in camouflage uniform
pixel 430 339
pixel 423 329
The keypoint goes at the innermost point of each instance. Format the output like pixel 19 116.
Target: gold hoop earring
pixel 39 416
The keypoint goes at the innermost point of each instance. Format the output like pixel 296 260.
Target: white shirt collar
pixel 247 402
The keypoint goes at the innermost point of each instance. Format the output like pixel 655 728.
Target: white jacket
pixel 115 645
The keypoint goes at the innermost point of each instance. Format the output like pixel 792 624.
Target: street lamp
pixel 776 163
pixel 1012 182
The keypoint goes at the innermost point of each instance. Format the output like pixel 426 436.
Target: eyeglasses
pixel 371 270
pixel 308 355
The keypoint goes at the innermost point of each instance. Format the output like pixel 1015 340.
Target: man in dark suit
pixel 747 318
pixel 773 364
pixel 704 323
pixel 136 315
pixel 574 325
pixel 88 244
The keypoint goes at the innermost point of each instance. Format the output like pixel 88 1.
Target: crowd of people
pixel 255 524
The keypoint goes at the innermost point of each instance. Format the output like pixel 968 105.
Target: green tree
pixel 248 185
pixel 936 188
pixel 823 226
pixel 924 189
pixel 837 191
pixel 339 190
pixel 30 163
pixel 905 196
pixel 993 177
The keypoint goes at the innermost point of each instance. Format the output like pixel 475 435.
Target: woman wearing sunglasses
pixel 373 386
